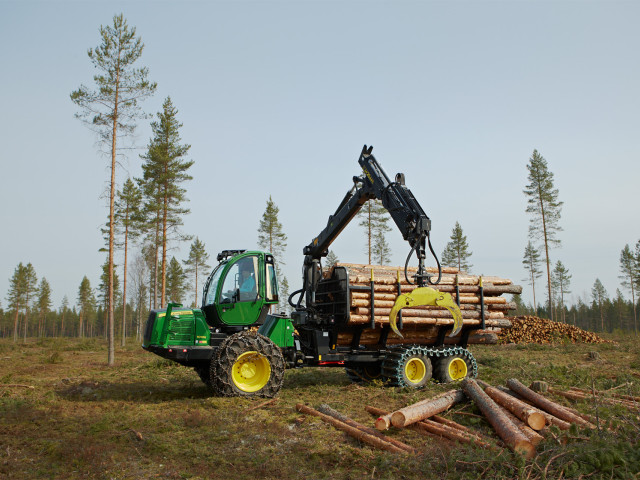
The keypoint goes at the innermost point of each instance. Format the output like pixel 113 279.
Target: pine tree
pixel 531 261
pixel 64 307
pixel 271 236
pixel 374 218
pixel 43 304
pixel 31 288
pixel 196 262
pixel 103 290
pixel 599 295
pixel 561 281
pixel 381 249
pixel 128 217
pixel 16 296
pixel 456 253
pixel 629 270
pixel 111 110
pixel 283 298
pixel 86 304
pixel 543 205
pixel 332 259
pixel 164 171
pixel 175 281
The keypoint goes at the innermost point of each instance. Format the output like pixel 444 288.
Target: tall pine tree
pixel 271 236
pixel 17 295
pixel 629 267
pixel 129 219
pixel 531 262
pixel 86 304
pixel 164 172
pixel 111 111
pixel 561 283
pixel 545 210
pixel 373 219
pixel 175 281
pixel 196 263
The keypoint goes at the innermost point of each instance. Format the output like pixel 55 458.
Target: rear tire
pixel 407 367
pixel 453 368
pixel 247 364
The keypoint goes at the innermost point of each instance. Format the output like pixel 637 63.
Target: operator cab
pixel 240 290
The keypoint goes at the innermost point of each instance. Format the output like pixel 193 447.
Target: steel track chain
pixel 393 364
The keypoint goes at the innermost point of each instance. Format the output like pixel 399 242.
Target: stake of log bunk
pixel 504 427
pixel 352 431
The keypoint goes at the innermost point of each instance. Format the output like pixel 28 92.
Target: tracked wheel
pixel 247 364
pixel 454 367
pixel 407 366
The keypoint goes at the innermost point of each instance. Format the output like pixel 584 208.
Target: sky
pixel 277 99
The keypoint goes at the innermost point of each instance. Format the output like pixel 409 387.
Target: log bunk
pixel 373 289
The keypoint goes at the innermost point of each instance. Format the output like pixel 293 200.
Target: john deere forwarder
pixel 218 340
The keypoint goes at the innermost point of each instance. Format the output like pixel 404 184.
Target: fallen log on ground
pixel 426 408
pixel 354 432
pixel 506 430
pixel 546 404
pixel 551 419
pixel 525 413
pixel 327 410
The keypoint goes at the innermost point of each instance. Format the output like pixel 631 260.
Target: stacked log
pixel 420 324
pixel 530 329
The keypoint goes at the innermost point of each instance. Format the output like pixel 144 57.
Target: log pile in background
pixel 421 324
pixel 530 329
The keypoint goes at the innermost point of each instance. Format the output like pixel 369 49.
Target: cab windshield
pixel 212 285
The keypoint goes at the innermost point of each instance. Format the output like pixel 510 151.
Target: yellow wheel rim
pixel 251 371
pixel 457 369
pixel 415 370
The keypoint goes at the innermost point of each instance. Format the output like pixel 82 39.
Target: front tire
pixel 407 366
pixel 247 364
pixel 453 368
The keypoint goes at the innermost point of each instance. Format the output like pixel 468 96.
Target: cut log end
pixel 398 419
pixel 536 420
pixel 382 424
pixel 525 448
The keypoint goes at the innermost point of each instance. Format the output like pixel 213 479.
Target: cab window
pixel 272 284
pixel 241 281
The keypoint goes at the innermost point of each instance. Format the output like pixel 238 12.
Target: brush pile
pixel 530 329
pixel 420 324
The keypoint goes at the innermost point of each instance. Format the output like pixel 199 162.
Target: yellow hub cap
pixel 251 371
pixel 457 369
pixel 415 370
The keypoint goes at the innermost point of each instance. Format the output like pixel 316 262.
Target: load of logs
pixel 477 296
pixel 518 415
pixel 530 329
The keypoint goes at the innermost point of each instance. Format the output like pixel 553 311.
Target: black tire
pixel 364 374
pixel 407 367
pixel 453 368
pixel 247 364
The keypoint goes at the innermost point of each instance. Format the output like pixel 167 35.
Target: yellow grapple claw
pixel 426 296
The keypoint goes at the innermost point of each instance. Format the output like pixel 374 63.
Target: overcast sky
pixel 277 98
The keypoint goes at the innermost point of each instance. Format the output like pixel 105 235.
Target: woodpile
pixel 530 329
pixel 420 325
pixel 517 424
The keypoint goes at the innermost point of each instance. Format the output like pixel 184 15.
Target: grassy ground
pixel 148 418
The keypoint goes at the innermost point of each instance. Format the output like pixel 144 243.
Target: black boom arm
pixel 405 210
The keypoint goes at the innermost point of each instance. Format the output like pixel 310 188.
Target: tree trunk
pixel 124 285
pixel 426 408
pixel 508 432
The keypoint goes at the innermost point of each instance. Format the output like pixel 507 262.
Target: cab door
pixel 240 301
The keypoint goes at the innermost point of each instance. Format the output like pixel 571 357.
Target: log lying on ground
pixel 605 392
pixel 546 404
pixel 551 419
pixel 426 408
pixel 533 436
pixel 353 431
pixel 506 430
pixel 531 417
pixel 431 427
pixel 327 410
pixel 574 395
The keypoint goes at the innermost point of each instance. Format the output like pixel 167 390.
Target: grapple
pixel 426 296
